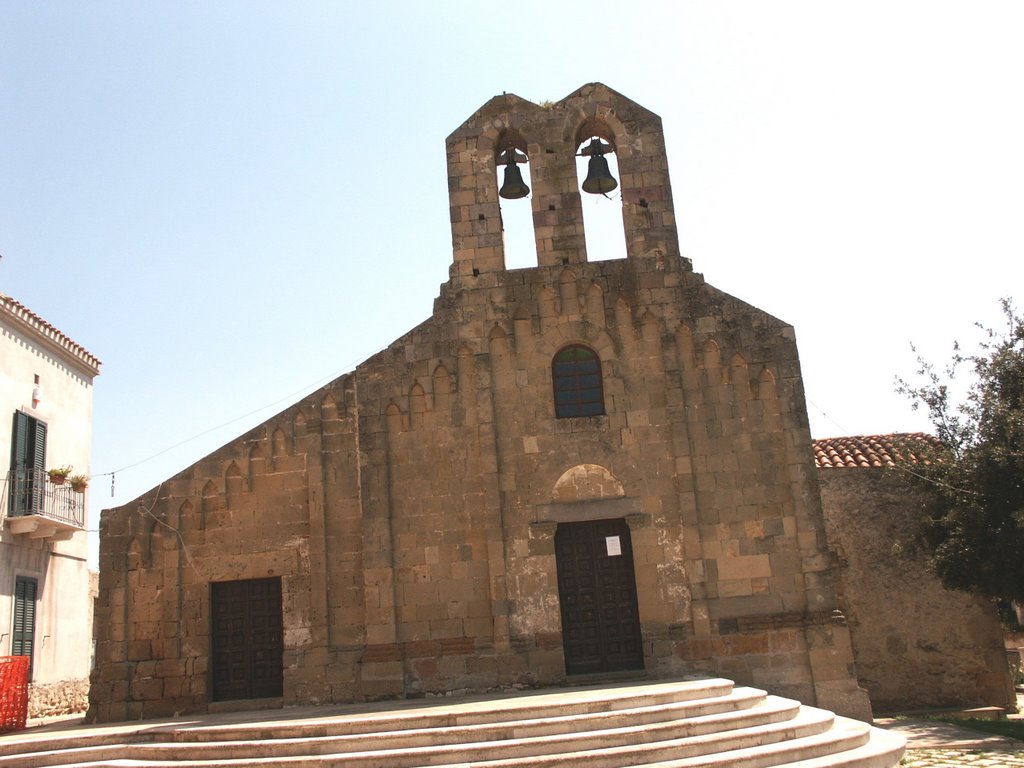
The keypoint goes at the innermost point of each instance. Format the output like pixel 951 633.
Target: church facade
pixel 573 471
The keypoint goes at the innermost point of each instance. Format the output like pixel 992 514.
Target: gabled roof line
pixel 22 315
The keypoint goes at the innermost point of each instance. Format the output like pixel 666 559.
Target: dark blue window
pixel 576 375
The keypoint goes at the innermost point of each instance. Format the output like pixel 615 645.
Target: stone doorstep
pixel 741 703
pixel 604 731
pixel 843 736
pixel 708 698
pixel 257 723
pixel 809 734
pixel 743 727
pixel 244 705
pixel 882 750
pixel 599 750
pixel 426 713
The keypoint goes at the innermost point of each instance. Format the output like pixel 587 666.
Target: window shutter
pixel 19 442
pixel 39 450
pixel 28 444
pixel 28 462
pixel 23 637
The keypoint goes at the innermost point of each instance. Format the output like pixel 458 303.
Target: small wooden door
pixel 246 640
pixel 597 590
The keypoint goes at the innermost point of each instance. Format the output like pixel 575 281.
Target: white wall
pixel 63 632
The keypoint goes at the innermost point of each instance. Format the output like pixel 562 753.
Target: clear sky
pixel 231 203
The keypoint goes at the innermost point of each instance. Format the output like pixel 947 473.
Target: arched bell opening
pixel 597 170
pixel 512 165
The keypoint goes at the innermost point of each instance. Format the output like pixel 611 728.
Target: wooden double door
pixel 246 640
pixel 597 593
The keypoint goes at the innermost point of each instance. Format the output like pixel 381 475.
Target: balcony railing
pixel 30 493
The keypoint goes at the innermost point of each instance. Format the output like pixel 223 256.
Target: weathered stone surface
pixel 410 508
pixel 65 697
pixel 917 645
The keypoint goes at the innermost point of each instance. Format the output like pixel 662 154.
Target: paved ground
pixel 934 744
pixel 950 758
pixel 931 744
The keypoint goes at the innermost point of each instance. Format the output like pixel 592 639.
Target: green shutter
pixel 28 444
pixel 23 637
pixel 28 462
pixel 19 441
pixel 39 449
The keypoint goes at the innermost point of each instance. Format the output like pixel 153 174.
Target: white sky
pixel 230 203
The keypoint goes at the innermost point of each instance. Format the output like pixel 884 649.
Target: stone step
pixel 662 724
pixel 882 750
pixel 745 707
pixel 402 749
pixel 647 703
pixel 844 735
pixel 658 700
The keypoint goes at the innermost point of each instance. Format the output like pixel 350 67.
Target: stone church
pixel 569 472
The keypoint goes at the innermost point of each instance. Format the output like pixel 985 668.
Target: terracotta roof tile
pixel 19 312
pixel 874 450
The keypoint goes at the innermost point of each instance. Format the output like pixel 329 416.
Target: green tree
pixel 975 529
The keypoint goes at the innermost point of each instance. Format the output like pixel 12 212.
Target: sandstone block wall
pixel 410 508
pixel 917 644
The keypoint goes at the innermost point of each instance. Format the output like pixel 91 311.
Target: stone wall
pixel 65 697
pixel 410 509
pixel 917 644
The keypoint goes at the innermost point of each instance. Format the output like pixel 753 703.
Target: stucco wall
pixel 917 645
pixel 63 621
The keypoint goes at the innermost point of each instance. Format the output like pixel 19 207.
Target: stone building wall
pixel 411 509
pixel 917 644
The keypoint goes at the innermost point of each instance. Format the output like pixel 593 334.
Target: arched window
pixel 512 163
pixel 576 376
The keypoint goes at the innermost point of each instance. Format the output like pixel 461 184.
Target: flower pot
pixel 57 479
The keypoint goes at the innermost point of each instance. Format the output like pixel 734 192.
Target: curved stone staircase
pixel 665 724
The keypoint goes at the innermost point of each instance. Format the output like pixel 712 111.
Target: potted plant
pixel 59 474
pixel 78 482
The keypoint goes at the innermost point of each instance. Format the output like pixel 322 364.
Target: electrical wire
pixel 307 388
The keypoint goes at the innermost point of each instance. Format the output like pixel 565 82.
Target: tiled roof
pixel 875 450
pixel 19 313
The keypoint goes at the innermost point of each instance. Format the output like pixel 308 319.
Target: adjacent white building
pixel 46 382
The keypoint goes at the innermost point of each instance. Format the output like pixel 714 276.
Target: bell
pixel 599 179
pixel 513 187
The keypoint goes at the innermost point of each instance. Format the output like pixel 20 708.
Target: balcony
pixel 41 509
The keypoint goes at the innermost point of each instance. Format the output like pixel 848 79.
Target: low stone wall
pixel 916 644
pixel 66 697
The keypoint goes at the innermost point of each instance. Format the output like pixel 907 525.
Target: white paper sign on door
pixel 613 545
